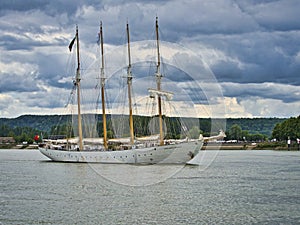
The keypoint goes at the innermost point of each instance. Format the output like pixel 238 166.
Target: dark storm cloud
pixel 49 7
pixel 256 41
pixel 285 93
pixel 17 83
pixel 12 43
pixel 273 15
pixel 20 5
pixel 261 57
pixel 210 17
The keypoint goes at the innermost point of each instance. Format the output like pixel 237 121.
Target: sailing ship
pixel 144 150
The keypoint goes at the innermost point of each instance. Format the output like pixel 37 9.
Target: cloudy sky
pixel 251 47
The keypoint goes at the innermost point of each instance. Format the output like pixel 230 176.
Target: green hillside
pixel 45 123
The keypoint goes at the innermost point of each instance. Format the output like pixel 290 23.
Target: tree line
pixel 20 134
pixel 288 129
pixel 25 128
pixel 282 131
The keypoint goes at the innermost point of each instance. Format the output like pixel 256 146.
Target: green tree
pixel 235 132
pixel 288 128
pixel 245 135
pixel 258 137
pixel 63 129
pixel 194 132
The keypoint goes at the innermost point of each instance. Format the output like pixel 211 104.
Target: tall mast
pixel 102 90
pixel 78 92
pixel 129 84
pixel 158 82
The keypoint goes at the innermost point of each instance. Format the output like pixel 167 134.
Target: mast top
pixel 157 46
pixel 128 48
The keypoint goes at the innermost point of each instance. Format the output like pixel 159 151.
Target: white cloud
pixel 225 107
pixel 17 68
pixel 260 107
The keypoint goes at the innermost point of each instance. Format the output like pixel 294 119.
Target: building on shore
pixel 7 140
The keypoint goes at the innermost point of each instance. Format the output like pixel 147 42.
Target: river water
pixel 236 187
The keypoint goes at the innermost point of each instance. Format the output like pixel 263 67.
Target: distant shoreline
pixel 208 146
pixel 249 146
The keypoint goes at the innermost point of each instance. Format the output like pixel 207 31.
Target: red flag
pixel 36 137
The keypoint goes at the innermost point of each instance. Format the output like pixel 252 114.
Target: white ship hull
pixel 168 154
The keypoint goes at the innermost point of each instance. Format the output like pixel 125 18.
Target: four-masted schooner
pixel 140 150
